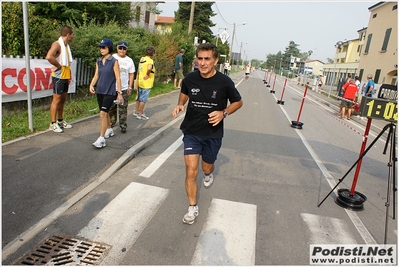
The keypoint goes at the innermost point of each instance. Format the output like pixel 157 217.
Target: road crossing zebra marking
pixel 327 230
pixel 154 166
pixel 228 236
pixel 121 222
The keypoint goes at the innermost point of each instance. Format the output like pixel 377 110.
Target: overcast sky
pixel 271 25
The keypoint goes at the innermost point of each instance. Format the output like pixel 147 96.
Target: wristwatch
pixel 225 114
pixel 120 92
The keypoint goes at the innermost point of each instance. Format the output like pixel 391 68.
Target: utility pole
pixel 190 24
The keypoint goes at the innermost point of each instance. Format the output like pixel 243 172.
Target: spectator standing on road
pixel 179 69
pixel 358 94
pixel 60 57
pixel 127 70
pixel 107 78
pixel 203 122
pixel 226 68
pixel 320 83
pixel 146 73
pixel 369 86
pixel 350 89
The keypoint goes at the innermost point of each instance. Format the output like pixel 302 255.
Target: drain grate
pixel 60 250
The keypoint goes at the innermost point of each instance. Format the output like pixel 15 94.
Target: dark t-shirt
pixel 205 96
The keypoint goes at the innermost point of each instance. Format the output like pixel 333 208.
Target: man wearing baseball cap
pixel 127 70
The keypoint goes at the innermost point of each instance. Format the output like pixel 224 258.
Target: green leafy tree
pixel 290 50
pixel 79 12
pixel 202 19
pixel 41 31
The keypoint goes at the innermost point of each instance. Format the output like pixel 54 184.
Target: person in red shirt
pixel 350 90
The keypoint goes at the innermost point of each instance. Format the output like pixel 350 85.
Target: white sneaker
pixel 190 216
pixel 143 117
pixel 64 125
pixel 100 142
pixel 136 114
pixel 208 180
pixel 109 133
pixel 55 127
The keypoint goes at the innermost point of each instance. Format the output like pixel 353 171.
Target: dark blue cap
pixel 106 42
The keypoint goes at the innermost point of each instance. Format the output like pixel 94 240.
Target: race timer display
pixel 378 108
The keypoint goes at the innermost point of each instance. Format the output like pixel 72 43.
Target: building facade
pixel 373 52
pixel 379 56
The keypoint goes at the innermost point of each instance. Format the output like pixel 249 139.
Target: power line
pixel 221 15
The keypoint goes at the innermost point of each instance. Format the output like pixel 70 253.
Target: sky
pixel 271 25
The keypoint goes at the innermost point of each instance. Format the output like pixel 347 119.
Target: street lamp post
pixel 306 63
pixel 232 39
pixel 338 46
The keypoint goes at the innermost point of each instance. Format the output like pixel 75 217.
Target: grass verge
pixel 14 126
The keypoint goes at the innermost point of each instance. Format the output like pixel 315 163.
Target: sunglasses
pixel 102 47
pixel 122 48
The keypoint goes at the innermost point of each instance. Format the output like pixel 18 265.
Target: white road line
pixel 327 230
pixel 228 236
pixel 121 222
pixel 157 163
pixel 361 228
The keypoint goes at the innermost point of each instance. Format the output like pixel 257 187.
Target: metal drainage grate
pixel 60 250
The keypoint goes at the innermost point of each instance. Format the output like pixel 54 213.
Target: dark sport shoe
pixel 190 216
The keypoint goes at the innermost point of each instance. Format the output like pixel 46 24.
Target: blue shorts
pixel 208 148
pixel 143 94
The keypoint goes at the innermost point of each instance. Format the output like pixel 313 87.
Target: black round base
pixel 345 200
pixel 281 102
pixel 272 92
pixel 268 85
pixel 296 124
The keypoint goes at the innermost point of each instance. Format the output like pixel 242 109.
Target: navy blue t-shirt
pixel 106 84
pixel 205 96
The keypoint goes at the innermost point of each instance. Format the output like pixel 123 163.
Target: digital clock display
pixel 378 108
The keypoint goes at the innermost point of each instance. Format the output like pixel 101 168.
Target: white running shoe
pixel 136 114
pixel 55 127
pixel 64 125
pixel 190 216
pixel 109 133
pixel 100 142
pixel 143 117
pixel 208 180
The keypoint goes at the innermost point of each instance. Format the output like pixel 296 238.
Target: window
pixel 395 7
pixel 375 15
pixel 361 74
pixel 366 51
pixel 377 75
pixel 386 40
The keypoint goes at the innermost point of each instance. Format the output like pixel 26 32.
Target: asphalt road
pixel 262 208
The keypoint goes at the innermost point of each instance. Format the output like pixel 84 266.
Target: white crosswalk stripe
pixel 120 223
pixel 327 230
pixel 228 236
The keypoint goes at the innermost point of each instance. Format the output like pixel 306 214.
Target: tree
pixel 290 50
pixel 202 22
pixel 80 12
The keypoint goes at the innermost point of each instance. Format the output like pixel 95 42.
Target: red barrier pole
pixel 359 164
pixel 270 77
pixel 282 94
pixel 272 91
pixel 297 124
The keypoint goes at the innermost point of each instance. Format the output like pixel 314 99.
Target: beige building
pixel 373 52
pixel 380 52
pixel 163 24
pixel 144 14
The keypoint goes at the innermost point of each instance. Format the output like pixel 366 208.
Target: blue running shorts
pixel 208 148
